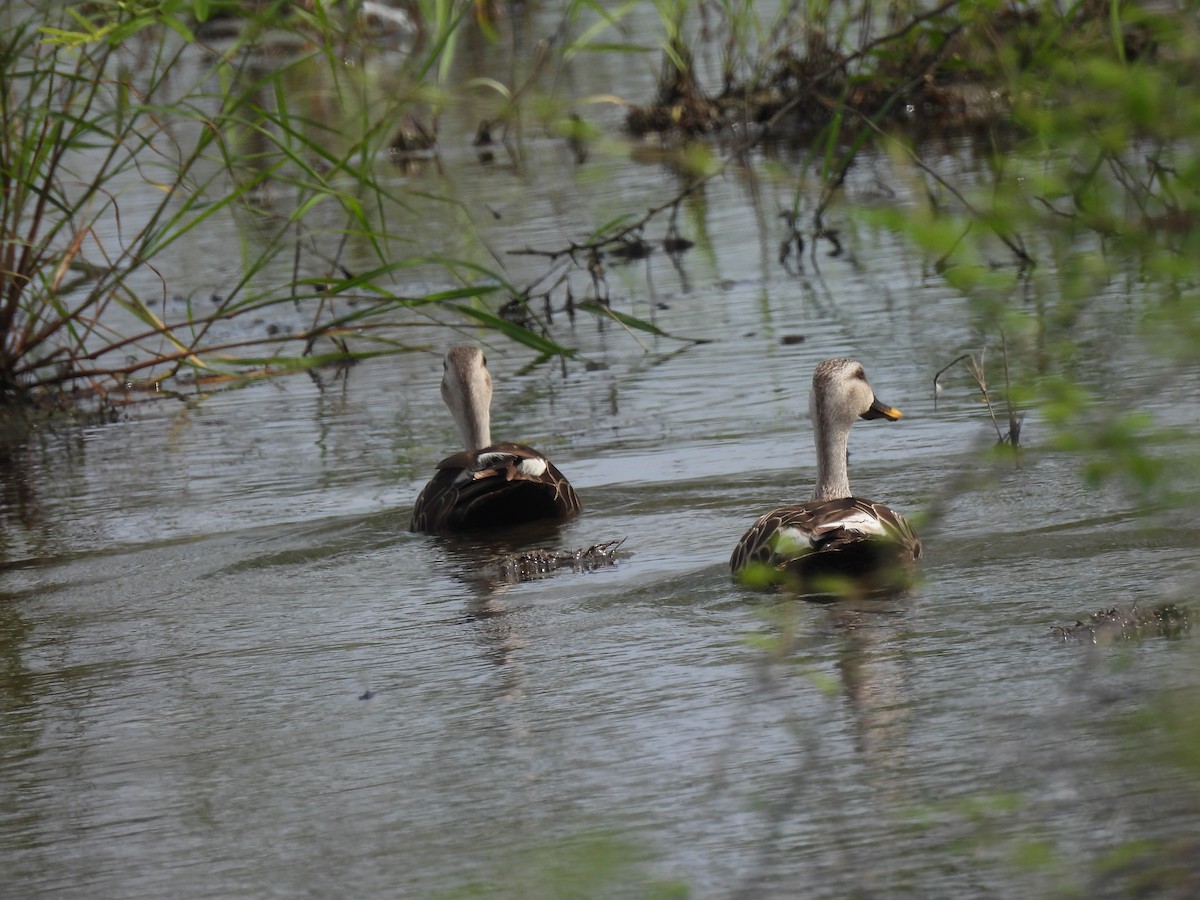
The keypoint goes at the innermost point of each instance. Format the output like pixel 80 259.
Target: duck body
pixel 486 486
pixel 848 537
pixel 498 486
pixel 834 535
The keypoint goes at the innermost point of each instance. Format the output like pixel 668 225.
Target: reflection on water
pixel 194 600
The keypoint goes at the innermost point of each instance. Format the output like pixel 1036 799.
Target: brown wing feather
pixel 826 545
pixel 488 489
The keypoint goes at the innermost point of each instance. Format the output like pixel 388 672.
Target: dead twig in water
pixel 978 371
pixel 622 236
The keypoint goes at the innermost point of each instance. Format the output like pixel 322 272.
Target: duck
pixel 835 534
pixel 486 486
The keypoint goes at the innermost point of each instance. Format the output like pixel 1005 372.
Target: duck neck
pixel 833 479
pixel 474 427
pixel 468 393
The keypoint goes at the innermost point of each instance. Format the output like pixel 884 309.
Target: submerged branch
pixel 634 228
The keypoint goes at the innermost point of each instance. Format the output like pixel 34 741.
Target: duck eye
pixel 483 359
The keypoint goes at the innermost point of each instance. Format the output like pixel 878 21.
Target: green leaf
pixel 607 312
pixel 514 332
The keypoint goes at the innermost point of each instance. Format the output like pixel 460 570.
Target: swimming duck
pixel 835 533
pixel 486 485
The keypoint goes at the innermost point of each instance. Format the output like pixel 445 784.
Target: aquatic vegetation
pixel 263 121
pixel 132 128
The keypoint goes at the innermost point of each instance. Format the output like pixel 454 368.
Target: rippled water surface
pixel 227 670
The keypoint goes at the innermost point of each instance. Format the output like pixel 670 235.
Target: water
pixel 226 669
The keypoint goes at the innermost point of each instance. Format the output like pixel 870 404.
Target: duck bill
pixel 880 410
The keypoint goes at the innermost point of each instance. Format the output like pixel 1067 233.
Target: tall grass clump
pixel 124 141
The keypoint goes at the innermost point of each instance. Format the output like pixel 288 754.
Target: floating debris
pixel 533 564
pixel 1120 624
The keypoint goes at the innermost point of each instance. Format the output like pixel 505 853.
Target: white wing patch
pixel 529 466
pixel 489 460
pixel 790 541
pixel 534 467
pixel 858 522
